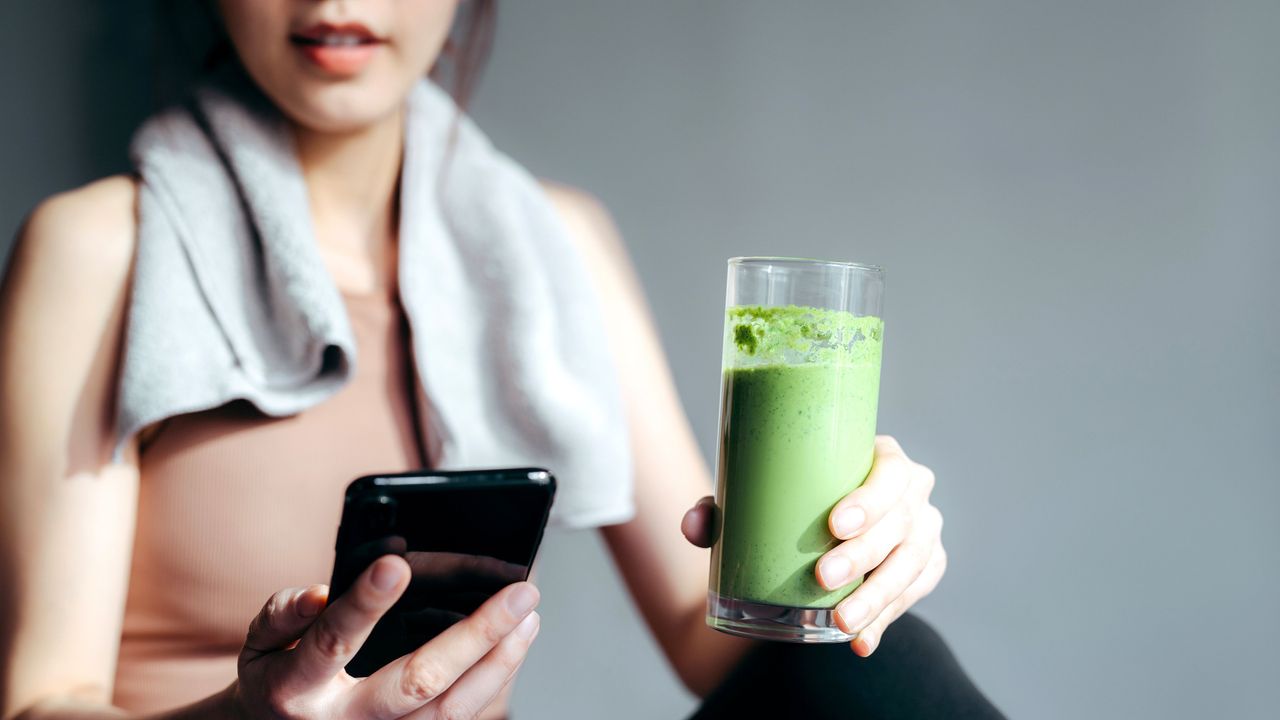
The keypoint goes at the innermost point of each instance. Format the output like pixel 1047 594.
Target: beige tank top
pixel 234 506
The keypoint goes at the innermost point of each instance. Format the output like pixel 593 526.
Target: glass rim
pixel 778 260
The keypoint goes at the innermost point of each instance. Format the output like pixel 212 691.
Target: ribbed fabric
pixel 235 506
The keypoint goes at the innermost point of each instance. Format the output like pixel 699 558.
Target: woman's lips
pixel 338 50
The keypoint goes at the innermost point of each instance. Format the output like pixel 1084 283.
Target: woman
pixel 154 622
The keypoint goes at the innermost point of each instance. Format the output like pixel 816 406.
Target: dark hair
pixel 196 39
pixel 468 48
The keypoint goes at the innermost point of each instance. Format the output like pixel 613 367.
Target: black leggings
pixel 911 675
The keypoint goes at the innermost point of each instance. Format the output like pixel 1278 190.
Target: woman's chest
pixel 234 506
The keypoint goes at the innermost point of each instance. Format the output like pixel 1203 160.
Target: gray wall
pixel 1078 205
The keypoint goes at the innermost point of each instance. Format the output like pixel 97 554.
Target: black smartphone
pixel 465 534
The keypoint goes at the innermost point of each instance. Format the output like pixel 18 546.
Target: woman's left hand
pixel 890 530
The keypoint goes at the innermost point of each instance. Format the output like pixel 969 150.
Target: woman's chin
pixel 342 107
pixel 342 114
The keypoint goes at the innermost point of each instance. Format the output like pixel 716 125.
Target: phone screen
pixel 465 535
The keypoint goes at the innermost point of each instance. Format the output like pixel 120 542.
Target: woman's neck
pixel 352 181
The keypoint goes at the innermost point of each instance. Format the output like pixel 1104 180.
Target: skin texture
pixel 61 310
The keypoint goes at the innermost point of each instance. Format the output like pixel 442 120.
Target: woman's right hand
pixel 293 658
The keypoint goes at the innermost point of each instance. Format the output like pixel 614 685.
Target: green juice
pixel 799 421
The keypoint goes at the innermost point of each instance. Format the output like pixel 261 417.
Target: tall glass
pixel 801 381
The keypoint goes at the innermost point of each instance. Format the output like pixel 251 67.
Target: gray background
pixel 1078 205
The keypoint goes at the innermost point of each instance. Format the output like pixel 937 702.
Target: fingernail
pixel 385 575
pixel 853 614
pixel 834 571
pixel 847 520
pixel 528 626
pixel 869 640
pixel 309 603
pixel 522 599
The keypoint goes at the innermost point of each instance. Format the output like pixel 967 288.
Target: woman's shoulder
pixel 79 243
pixel 590 226
pixel 99 219
pixel 68 274
pixel 571 202
pixel 622 299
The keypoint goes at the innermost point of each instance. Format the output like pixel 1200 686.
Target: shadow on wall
pixel 141 56
pixel 117 79
pixel 90 73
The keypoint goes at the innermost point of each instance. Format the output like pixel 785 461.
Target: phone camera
pixel 379 513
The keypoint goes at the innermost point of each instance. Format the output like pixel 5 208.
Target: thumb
pixel 282 620
pixel 699 524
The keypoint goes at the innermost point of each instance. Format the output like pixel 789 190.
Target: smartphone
pixel 465 534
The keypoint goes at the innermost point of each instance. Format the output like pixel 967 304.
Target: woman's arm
pixel 666 575
pixel 66 512
pixel 891 531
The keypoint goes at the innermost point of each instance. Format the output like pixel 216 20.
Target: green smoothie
pixel 799 419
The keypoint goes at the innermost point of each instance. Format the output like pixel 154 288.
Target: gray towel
pixel 231 300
